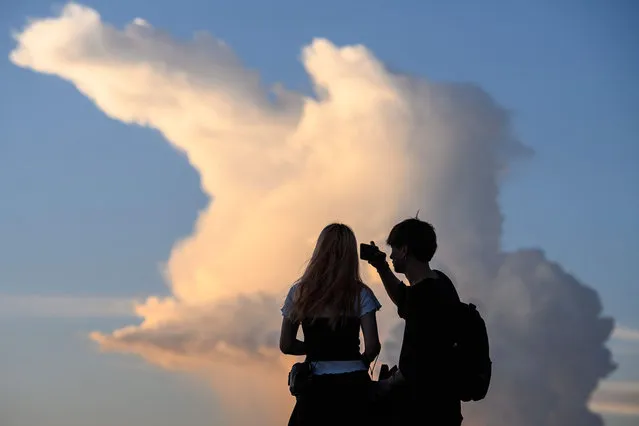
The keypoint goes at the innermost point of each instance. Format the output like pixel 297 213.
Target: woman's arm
pixel 289 344
pixel 372 346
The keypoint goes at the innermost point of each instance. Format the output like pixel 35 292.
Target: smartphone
pixel 367 251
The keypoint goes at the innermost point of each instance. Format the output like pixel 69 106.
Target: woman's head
pixel 336 247
pixel 331 283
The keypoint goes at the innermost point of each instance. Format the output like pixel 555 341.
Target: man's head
pixel 411 241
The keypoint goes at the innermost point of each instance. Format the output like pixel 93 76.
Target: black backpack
pixel 472 354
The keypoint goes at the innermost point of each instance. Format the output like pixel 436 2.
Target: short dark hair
pixel 417 236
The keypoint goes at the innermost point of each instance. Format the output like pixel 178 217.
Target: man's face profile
pixel 398 257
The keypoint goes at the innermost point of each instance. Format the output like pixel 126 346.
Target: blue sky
pixel 91 206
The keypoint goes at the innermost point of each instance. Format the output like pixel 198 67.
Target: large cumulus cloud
pixel 371 148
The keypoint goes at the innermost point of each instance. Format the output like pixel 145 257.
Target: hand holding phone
pixel 372 254
pixel 367 251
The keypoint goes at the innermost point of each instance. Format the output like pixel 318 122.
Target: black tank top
pixel 323 343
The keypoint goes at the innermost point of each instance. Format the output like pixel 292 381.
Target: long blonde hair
pixel 331 284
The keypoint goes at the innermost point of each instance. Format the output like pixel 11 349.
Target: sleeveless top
pixel 334 351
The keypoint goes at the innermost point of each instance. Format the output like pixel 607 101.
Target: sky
pixel 94 205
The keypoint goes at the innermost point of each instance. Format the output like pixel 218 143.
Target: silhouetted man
pixel 422 391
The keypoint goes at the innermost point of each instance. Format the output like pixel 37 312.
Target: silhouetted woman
pixel 331 303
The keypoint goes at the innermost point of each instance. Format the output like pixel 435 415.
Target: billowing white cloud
pixel 371 149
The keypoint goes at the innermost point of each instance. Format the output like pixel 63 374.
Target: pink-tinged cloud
pixel 617 397
pixel 626 334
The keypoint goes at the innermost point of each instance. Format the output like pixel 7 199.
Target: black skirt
pixel 335 400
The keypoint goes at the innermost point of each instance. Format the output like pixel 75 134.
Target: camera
pixel 367 251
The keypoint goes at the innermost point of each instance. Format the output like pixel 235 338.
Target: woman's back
pixel 334 347
pixel 325 342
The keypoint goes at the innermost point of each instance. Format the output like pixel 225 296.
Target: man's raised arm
pixel 394 287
